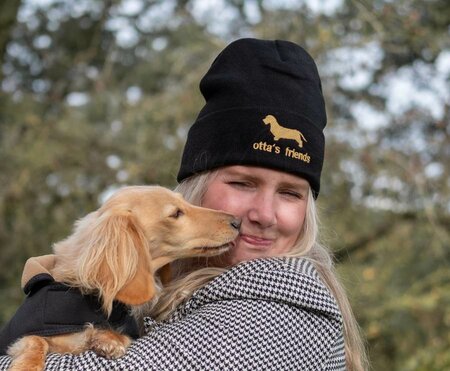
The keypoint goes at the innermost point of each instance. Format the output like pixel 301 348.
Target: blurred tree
pixel 8 14
pixel 98 94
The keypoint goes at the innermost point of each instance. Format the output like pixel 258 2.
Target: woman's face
pixel 271 204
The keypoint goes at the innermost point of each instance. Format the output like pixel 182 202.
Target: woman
pixel 273 301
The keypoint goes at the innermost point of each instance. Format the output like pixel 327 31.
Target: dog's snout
pixel 236 223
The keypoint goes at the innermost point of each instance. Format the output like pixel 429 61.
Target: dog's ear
pixel 116 261
pixel 141 288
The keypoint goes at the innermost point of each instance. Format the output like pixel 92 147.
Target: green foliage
pixel 83 112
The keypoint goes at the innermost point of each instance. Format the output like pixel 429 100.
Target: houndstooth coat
pixel 265 314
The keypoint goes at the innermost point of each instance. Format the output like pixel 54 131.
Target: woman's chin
pixel 242 255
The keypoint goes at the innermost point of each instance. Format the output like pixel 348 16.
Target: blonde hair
pixel 307 247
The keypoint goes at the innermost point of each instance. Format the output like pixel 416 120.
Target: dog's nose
pixel 236 223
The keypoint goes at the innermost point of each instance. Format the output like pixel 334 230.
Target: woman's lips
pixel 256 242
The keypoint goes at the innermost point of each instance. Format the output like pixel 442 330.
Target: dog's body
pixel 114 252
pixel 280 132
pixel 54 308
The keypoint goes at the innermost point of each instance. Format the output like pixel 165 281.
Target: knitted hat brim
pixel 255 136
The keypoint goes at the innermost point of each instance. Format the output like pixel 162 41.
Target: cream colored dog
pixel 280 132
pixel 115 252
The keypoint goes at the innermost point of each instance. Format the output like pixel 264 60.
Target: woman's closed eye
pixel 292 194
pixel 239 184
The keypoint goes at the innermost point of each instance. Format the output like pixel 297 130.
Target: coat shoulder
pixel 294 282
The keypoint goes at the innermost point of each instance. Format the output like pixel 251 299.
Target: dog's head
pixel 113 249
pixel 269 119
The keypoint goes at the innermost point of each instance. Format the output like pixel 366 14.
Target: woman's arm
pixel 233 334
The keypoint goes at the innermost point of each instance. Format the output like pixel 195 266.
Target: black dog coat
pixel 53 308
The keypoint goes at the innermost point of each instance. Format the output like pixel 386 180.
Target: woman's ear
pixel 116 261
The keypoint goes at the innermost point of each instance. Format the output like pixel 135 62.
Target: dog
pixel 114 253
pixel 280 132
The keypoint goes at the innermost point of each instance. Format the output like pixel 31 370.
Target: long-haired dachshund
pixel 113 254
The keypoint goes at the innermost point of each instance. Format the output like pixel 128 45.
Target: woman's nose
pixel 262 210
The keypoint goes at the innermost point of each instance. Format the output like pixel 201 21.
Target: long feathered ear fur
pixel 108 254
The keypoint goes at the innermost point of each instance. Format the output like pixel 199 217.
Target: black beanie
pixel 264 107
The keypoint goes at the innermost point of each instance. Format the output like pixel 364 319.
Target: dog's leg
pixel 28 354
pixel 275 137
pixel 106 343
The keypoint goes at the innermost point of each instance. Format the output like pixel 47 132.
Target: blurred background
pixel 99 94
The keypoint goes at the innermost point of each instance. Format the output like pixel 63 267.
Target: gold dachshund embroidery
pixel 280 132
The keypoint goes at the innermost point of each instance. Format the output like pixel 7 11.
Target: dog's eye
pixel 177 214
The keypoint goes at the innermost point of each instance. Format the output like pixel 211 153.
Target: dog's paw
pixel 109 344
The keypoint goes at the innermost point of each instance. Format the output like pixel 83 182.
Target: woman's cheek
pixel 292 219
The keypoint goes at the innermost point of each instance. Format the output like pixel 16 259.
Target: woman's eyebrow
pixel 240 174
pixel 301 186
